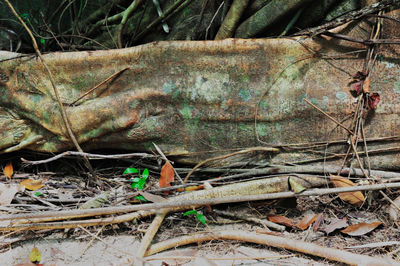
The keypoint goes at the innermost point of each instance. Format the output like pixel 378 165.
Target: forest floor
pixel 117 244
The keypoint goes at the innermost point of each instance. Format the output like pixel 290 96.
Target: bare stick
pixel 36 218
pixel 150 233
pixel 98 85
pixel 349 17
pixel 91 156
pixel 330 117
pixel 267 149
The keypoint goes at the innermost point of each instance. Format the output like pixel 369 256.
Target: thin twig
pixel 330 117
pixel 98 85
pixel 91 156
pixel 354 15
pixel 253 149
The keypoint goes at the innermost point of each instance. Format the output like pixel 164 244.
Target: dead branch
pixel 354 15
pixel 90 156
pixel 177 203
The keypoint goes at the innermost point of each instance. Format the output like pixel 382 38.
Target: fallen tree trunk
pixel 195 98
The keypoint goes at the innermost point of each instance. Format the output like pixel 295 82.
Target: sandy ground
pixel 120 250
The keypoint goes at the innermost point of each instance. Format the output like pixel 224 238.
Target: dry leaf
pixel 318 221
pixel 366 85
pixel 151 197
pixel 167 176
pixel 31 184
pixel 8 170
pixel 295 186
pixel 393 212
pixel 306 221
pixel 190 188
pixel 336 224
pixel 35 256
pixel 279 219
pixel 360 229
pixel 8 191
pixel 355 197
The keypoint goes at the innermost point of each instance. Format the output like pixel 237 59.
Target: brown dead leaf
pixel 279 219
pixel 318 222
pixel 366 85
pixel 8 191
pixel 190 188
pixel 167 176
pixel 336 224
pixel 360 229
pixel 31 184
pixel 151 197
pixel 307 220
pixel 8 170
pixel 355 197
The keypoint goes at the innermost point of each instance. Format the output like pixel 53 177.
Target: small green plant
pixel 138 182
pixel 141 198
pixel 200 217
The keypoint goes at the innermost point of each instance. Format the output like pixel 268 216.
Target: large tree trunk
pixel 197 97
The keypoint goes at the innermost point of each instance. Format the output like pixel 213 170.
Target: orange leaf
pixel 167 176
pixel 366 85
pixel 31 184
pixel 360 229
pixel 279 219
pixel 306 221
pixel 8 170
pixel 190 188
pixel 355 197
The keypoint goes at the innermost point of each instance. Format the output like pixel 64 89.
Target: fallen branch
pixel 174 204
pixel 90 156
pixel 274 241
pixel 354 15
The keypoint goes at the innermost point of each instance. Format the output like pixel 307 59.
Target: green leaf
pixel 42 41
pixel 141 198
pixel 201 218
pixel 142 183
pixel 130 171
pixel 135 185
pixel 139 183
pixel 25 16
pixel 135 180
pixel 190 212
pixel 38 193
pixel 145 173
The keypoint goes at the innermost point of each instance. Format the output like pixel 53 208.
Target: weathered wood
pixel 197 97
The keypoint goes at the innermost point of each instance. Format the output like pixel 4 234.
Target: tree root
pixel 274 241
